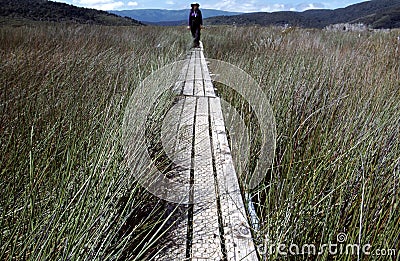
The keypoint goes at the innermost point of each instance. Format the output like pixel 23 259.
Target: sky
pixel 226 5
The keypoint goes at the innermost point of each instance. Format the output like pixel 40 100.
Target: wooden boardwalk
pixel 216 226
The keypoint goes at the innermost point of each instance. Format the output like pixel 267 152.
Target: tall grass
pixel 66 194
pixel 336 101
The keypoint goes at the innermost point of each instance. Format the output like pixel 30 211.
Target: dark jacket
pixel 195 18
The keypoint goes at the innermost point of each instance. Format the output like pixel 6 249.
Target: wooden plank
pixel 206 73
pixel 198 68
pixel 208 85
pixel 198 88
pixel 238 239
pixel 177 139
pixel 189 79
pixel 183 148
pixel 180 139
pixel 209 89
pixel 180 83
pixel 198 78
pixel 206 243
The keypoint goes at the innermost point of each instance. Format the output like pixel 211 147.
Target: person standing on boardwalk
pixel 195 23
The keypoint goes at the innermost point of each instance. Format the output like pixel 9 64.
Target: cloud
pixel 100 4
pixel 303 7
pixel 292 7
pixel 260 6
pixel 170 2
pixel 234 6
pixel 133 4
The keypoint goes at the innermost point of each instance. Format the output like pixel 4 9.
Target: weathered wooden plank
pixel 180 82
pixel 183 149
pixel 208 85
pixel 206 73
pixel 238 239
pixel 206 243
pixel 178 143
pixel 209 89
pixel 189 78
pixel 198 88
pixel 198 75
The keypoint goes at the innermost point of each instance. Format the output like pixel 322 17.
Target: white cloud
pixel 170 2
pixel 277 7
pixel 308 6
pixel 100 4
pixel 108 6
pixel 292 7
pixel 133 4
pixel 234 6
pixel 260 6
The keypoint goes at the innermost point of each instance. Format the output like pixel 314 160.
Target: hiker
pixel 195 23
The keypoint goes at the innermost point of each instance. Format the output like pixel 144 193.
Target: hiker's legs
pixel 193 31
pixel 197 37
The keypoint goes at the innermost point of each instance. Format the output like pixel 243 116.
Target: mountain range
pixel 168 17
pixel 375 13
pixel 19 12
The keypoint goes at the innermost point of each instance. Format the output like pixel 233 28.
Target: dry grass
pixel 64 192
pixel 336 102
pixel 66 195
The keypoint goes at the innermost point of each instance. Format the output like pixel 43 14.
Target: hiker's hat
pixel 194 4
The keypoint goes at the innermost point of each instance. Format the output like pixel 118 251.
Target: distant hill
pixel 376 13
pixel 25 11
pixel 168 17
pixel 383 19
